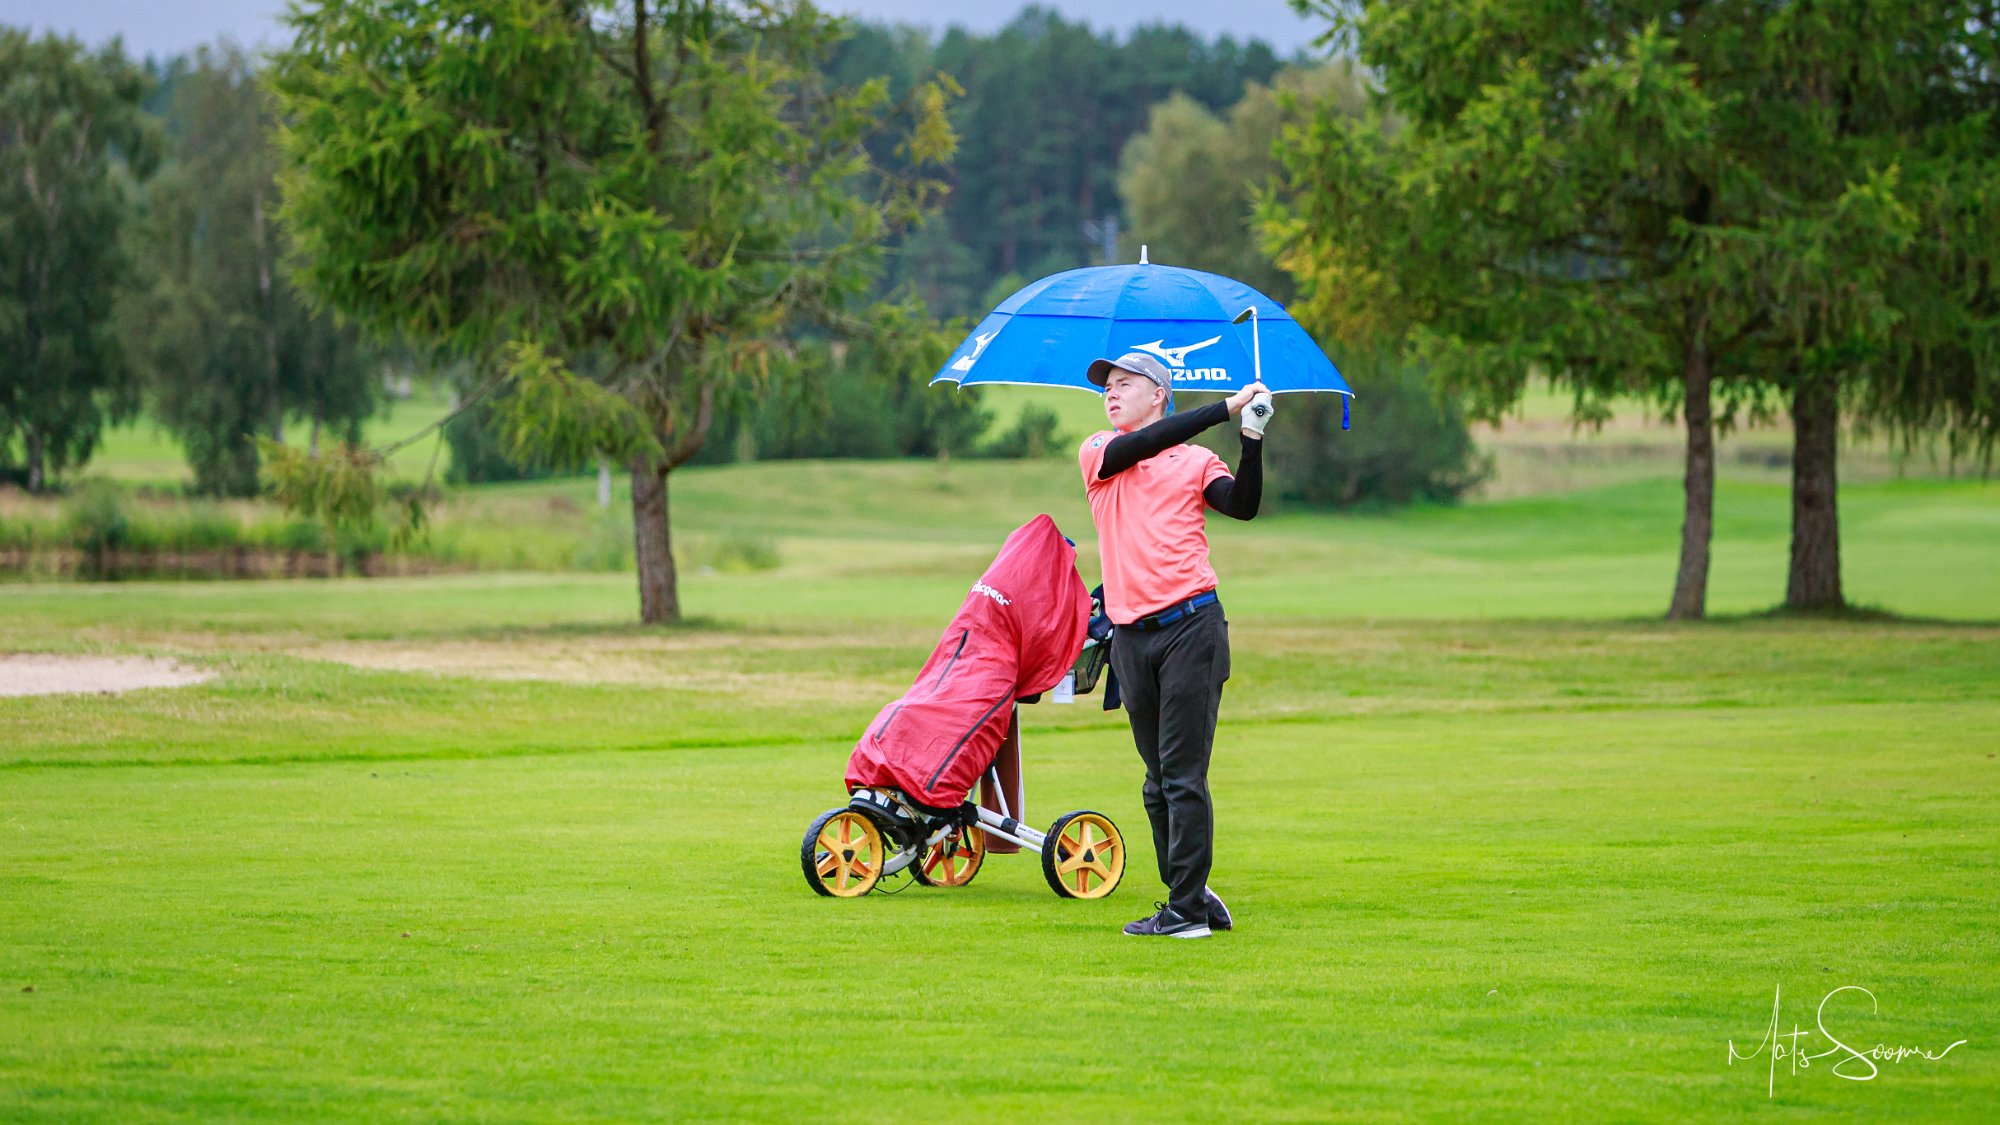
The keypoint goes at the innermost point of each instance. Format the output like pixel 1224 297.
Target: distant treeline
pixel 164 286
pixel 179 307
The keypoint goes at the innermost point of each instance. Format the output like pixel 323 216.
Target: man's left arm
pixel 1238 497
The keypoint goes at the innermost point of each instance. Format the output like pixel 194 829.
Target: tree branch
pixel 690 443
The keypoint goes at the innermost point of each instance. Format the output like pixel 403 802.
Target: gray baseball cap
pixel 1138 363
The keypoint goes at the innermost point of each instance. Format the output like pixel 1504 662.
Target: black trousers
pixel 1171 680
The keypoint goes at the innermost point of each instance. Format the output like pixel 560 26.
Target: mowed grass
pixel 1501 844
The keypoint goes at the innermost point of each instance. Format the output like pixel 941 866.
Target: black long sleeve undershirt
pixel 1127 450
pixel 1236 497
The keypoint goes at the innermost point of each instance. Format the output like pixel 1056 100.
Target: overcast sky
pixel 165 27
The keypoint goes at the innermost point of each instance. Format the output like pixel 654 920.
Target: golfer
pixel 1170 652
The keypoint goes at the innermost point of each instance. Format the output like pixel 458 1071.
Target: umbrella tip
pixel 1142 255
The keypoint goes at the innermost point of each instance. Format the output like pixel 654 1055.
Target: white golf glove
pixel 1257 414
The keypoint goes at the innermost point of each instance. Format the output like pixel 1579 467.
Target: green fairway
pixel 1500 845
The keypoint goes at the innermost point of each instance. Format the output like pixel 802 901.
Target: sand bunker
pixel 45 674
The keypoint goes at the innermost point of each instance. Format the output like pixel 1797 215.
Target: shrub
pixel 355 544
pixel 300 535
pixel 97 521
pixel 25 531
pixel 1036 433
pixel 206 527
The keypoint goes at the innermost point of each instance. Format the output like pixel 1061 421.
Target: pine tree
pixel 1693 202
pixel 624 209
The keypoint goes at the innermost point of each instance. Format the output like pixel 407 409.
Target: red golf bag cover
pixel 1020 629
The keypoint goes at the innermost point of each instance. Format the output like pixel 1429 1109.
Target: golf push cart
pixel 1026 627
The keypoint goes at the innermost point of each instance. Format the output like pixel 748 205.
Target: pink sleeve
pixel 1214 469
pixel 1090 457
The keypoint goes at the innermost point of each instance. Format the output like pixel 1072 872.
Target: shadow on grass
pixel 1789 615
pixel 1851 615
pixel 1856 614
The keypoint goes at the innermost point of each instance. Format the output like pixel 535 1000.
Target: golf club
pixel 1256 342
pixel 1262 407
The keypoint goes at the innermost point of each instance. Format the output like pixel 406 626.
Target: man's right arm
pixel 1127 450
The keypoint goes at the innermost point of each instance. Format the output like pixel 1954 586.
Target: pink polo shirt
pixel 1152 533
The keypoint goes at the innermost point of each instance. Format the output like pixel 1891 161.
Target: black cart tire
pixel 1084 855
pixel 842 854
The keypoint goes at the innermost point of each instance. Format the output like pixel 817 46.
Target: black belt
pixel 1172 613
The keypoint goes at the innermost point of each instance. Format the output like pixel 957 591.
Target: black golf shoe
pixel 1167 923
pixel 1218 914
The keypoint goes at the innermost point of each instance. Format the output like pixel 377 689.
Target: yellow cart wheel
pixel 843 854
pixel 953 861
pixel 1084 856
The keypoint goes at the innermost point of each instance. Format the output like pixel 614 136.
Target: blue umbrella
pixel 1207 329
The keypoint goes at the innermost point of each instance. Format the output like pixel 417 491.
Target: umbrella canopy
pixel 1047 334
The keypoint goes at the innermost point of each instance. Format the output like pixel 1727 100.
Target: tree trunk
pixel 32 439
pixel 1691 584
pixel 652 542
pixel 652 538
pixel 1814 582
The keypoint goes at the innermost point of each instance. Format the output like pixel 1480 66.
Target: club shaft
pixel 1256 348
